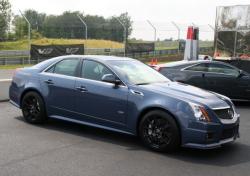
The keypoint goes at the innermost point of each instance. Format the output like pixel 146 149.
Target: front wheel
pixel 159 131
pixel 33 108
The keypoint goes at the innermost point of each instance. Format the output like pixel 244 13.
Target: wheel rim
pixel 157 131
pixel 31 108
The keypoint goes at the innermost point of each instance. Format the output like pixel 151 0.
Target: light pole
pixel 85 25
pixel 29 32
pixel 154 34
pixel 124 34
pixel 179 33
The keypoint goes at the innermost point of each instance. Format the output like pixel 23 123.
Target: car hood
pixel 188 93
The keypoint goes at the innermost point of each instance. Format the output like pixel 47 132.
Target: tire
pixel 159 131
pixel 33 108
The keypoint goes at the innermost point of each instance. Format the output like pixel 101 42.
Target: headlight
pixel 200 113
pixel 234 110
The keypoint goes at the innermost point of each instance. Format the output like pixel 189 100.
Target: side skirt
pixel 90 124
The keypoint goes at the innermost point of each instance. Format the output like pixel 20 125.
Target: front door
pixel 97 101
pixel 194 75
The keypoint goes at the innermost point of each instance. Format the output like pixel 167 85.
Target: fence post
pixel 179 33
pixel 29 31
pixel 124 34
pixel 154 28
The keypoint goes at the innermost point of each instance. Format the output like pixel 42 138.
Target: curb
pixel 4 89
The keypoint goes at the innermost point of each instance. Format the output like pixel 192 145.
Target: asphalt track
pixel 65 149
pixel 6 74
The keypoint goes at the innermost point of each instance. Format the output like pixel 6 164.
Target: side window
pixel 94 70
pixel 200 67
pixel 51 70
pixel 65 67
pixel 220 68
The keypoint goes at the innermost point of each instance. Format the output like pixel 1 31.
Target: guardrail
pixel 4 89
pixel 21 57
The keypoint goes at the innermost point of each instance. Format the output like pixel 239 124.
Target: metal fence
pixel 22 56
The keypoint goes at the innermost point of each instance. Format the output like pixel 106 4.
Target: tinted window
pixel 94 70
pixel 164 69
pixel 136 72
pixel 65 67
pixel 220 68
pixel 199 67
pixel 51 69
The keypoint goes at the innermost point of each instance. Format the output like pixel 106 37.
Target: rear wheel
pixel 159 131
pixel 33 108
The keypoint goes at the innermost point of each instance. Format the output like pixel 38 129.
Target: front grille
pixel 225 113
pixel 229 133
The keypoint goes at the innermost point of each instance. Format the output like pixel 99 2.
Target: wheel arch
pixel 30 90
pixel 148 109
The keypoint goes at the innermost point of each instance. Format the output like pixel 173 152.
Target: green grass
pixel 92 43
pixel 23 44
pixel 12 67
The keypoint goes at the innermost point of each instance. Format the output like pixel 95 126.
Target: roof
pixel 179 63
pixel 101 57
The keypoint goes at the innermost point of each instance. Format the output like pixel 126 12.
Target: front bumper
pixel 212 135
pixel 212 145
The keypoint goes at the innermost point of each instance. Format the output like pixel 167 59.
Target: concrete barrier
pixel 4 89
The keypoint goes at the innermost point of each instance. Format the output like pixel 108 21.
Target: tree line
pixel 66 25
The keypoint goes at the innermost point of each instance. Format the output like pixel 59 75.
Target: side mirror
pixel 110 78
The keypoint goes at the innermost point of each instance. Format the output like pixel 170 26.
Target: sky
pixel 160 12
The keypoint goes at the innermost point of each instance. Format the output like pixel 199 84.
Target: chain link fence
pixel 166 36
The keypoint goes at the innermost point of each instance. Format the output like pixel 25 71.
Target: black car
pixel 215 76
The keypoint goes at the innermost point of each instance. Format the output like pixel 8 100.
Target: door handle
pixel 81 89
pixel 49 82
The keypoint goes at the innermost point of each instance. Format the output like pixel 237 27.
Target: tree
pixel 68 25
pixel 117 30
pixel 36 20
pixel 5 16
pixel 126 19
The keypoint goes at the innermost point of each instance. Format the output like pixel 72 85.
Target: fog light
pixel 210 136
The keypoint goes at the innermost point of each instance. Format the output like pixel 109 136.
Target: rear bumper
pixel 14 95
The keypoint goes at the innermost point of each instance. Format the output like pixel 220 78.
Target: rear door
pixel 58 83
pixel 223 79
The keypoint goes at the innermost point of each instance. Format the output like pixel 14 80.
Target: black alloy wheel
pixel 159 131
pixel 33 108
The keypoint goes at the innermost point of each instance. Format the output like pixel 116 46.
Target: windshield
pixel 137 73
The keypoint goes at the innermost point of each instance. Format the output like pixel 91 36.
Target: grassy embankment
pixel 12 67
pixel 23 44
